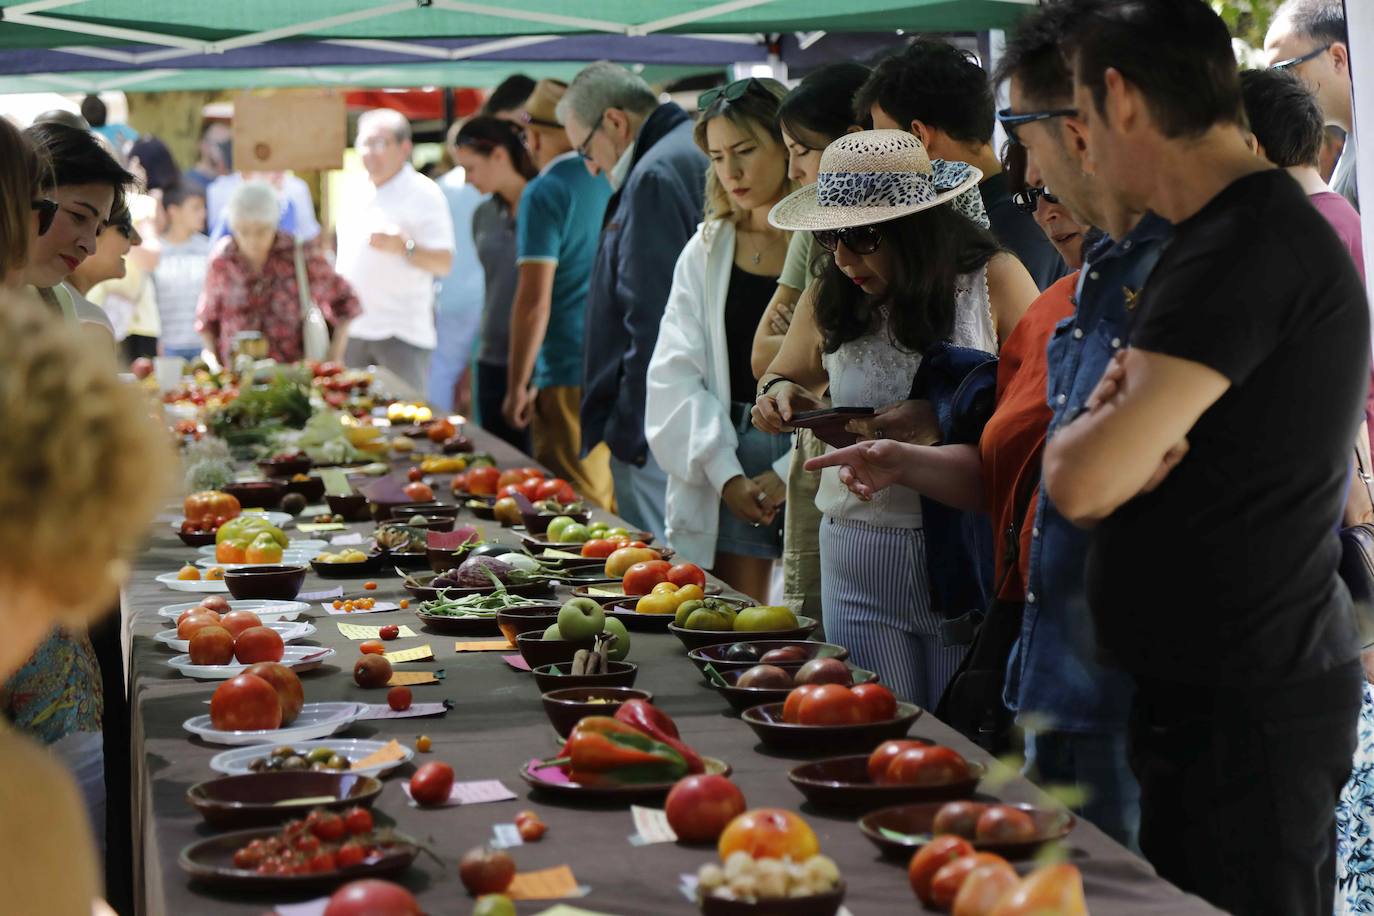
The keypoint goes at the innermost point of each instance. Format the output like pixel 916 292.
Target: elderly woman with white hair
pixel 251 283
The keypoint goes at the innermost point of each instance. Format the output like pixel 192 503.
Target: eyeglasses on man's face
pixel 1011 120
pixel 1292 62
pixel 585 149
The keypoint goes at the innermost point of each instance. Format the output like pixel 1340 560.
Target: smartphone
pixel 828 424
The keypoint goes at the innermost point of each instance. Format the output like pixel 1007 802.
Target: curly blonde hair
pixel 85 467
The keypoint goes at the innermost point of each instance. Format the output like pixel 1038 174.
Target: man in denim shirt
pixel 1073 711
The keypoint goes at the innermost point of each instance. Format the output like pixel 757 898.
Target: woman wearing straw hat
pixel 907 272
pixel 725 478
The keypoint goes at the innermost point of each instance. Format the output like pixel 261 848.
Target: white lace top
pixel 872 371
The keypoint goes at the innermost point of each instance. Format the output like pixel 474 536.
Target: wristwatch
pixel 410 249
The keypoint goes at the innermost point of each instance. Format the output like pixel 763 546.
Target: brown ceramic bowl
pixel 256 799
pixel 533 619
pixel 537 523
pixel 827 904
pixel 403 511
pixel 278 583
pixel 538 651
pixel 375 565
pixel 555 677
pixel 842 784
pixel 210 862
pixel 742 698
pixel 312 488
pixel 695 639
pixel 902 830
pixel 196 538
pixel 427 523
pixel 352 506
pixel 715 655
pixel 286 467
pixel 482 507
pixel 814 740
pixel 256 494
pixel 567 706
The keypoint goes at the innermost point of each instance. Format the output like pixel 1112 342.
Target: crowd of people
pixel 1092 402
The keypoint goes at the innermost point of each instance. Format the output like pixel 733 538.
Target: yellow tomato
pixel 659 603
pixel 690 592
pixel 664 588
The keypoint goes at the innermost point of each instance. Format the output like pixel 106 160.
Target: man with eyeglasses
pixel 393 244
pixel 1308 38
pixel 645 149
pixel 556 233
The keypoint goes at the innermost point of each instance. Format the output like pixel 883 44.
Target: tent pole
pixel 1359 20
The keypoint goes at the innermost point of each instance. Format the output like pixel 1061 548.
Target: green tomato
pixel 558 525
pixel 574 534
pixel 494 905
pixel 616 533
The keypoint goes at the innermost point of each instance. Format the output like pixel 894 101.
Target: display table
pixel 496 725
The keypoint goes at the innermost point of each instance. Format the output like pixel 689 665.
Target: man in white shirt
pixel 393 244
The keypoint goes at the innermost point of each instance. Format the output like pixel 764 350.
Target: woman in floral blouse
pixel 250 284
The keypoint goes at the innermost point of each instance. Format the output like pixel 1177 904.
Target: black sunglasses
pixel 47 209
pixel 1294 61
pixel 732 92
pixel 1026 201
pixel 1010 120
pixel 859 239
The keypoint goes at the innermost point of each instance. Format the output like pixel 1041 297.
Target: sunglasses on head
pixel 732 92
pixel 859 239
pixel 1026 201
pixel 46 209
pixel 1010 120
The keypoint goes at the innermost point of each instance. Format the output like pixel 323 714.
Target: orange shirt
pixel 1015 434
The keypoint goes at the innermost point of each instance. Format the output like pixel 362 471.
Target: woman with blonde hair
pixel 21 171
pixel 725 478
pixel 95 460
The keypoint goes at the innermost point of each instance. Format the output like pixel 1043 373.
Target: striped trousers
pixel 876 602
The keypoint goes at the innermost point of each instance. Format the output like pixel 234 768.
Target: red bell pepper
pixel 604 750
pixel 657 724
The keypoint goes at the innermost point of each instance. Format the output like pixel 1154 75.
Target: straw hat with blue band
pixel 874 176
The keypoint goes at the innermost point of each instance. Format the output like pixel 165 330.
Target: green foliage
pixel 1248 20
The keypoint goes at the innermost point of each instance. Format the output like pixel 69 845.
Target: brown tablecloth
pixel 497 724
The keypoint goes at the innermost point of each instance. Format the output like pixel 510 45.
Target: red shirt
pixel 1015 434
pixel 239 298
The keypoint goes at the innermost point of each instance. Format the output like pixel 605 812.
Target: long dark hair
pixel 485 133
pixel 929 249
pixel 823 103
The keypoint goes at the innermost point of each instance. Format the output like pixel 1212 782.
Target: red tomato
pixel 259 644
pixel 600 548
pixel 930 858
pixel 371 897
pixel 482 481
pixel 238 621
pixel 486 871
pixel 211 646
pixel 945 884
pixel 831 704
pixel 204 507
pixel 794 701
pixel 326 825
pixel 431 783
pixel 927 765
pixel 323 862
pixel 769 833
pixel 530 488
pixel 418 492
pixel 415 475
pixel 641 578
pixel 878 702
pixel 687 574
pixel 557 488
pixel 459 483
pixel 245 703
pixel 440 430
pixel 511 477
pixel 398 698
pixel 700 807
pixel 350 854
pixel 882 757
pixel 531 828
pixel 287 685
pixel 531 473
pixel 358 821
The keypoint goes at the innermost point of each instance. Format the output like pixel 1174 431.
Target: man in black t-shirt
pixel 1212 461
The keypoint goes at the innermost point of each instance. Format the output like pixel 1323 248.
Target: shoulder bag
pixel 314 330
pixel 1357 559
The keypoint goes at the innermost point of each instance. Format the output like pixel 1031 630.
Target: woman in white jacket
pixel 725 478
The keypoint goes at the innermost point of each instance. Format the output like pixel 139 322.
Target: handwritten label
pixel 545 884
pixel 651 826
pixel 414 678
pixel 383 711
pixel 346 540
pixel 363 631
pixel 413 654
pixel 484 645
pixel 389 754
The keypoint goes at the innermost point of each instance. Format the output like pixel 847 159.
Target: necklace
pixel 757 256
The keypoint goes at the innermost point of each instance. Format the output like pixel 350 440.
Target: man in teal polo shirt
pixel 557 229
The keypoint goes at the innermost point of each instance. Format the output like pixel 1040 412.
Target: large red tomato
pixel 372 897
pixel 641 578
pixel 557 488
pixel 418 492
pixel 287 685
pixel 687 574
pixel 794 701
pixel 245 703
pixel 482 481
pixel 432 783
pixel 699 807
pixel 928 765
pixel 510 477
pixel 932 857
pixel 769 833
pixel 486 871
pixel 878 702
pixel 204 507
pixel 238 621
pixel 882 757
pixel 600 548
pixel 211 646
pixel 831 704
pixel 259 644
pixel 189 624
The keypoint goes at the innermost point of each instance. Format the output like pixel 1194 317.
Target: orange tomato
pixel 372 647
pixel 769 833
pixel 231 552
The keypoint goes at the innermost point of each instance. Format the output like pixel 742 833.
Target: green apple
pixel 621 647
pixel 760 619
pixel 574 534
pixel 494 905
pixel 684 610
pixel 557 525
pixel 707 619
pixel 552 632
pixel 581 619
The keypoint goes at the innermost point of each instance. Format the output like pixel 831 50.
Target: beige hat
pixel 539 107
pixel 873 176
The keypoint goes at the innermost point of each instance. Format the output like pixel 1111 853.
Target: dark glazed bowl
pixel 715 654
pixel 257 799
pixel 537 523
pixel 288 467
pixel 277 583
pixel 812 740
pixel 196 538
pixel 695 639
pixel 554 677
pixel 902 830
pixel 352 506
pixel 827 904
pixel 534 619
pixel 312 488
pixel 210 862
pixel 404 511
pixel 566 706
pixel 537 651
pixel 256 494
pixel 842 784
pixel 742 698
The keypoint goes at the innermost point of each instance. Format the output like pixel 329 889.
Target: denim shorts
pixel 756 451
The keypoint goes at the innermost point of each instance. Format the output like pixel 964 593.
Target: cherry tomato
pixel 405 603
pixel 370 586
pixel 358 820
pixel 423 744
pixel 307 844
pixel 350 854
pixel 323 862
pixel 398 698
pixel 531 828
pixel 372 647
pixel 389 632
pixel 415 474
pixel 327 825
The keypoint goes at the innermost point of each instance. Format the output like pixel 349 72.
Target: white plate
pixel 288 558
pixel 277 518
pixel 307 545
pixel 297 658
pixel 268 610
pixel 317 720
pixel 290 632
pixel 192 585
pixel 236 762
pixel 377 609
